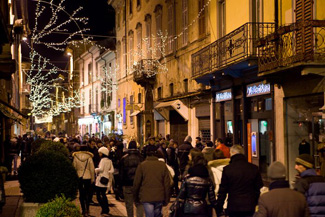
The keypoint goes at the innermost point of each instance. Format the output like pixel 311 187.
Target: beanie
pixel 276 170
pixel 305 160
pixel 103 150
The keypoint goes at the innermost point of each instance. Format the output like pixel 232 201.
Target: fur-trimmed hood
pixel 218 162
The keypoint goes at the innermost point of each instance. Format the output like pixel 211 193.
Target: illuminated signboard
pixel 258 89
pixel 223 95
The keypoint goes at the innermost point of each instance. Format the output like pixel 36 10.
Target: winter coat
pixel 80 159
pixel 225 150
pixel 242 182
pixel 152 181
pixel 313 187
pixel 172 159
pixel 282 201
pixel 128 166
pixel 208 153
pixel 216 168
pixel 105 168
pixel 183 151
pixel 197 185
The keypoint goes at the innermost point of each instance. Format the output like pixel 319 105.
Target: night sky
pixel 101 23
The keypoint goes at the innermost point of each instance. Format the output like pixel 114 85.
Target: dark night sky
pixel 101 22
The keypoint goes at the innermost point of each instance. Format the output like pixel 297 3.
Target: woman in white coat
pixel 105 168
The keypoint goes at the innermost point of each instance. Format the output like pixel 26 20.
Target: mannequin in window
pixel 304 147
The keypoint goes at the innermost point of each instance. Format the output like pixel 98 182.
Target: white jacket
pixel 105 168
pixel 80 159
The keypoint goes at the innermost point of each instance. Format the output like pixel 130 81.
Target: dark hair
pixel 198 138
pixel 209 144
pixel 197 157
pixel 218 154
pixel 84 148
pixel 220 140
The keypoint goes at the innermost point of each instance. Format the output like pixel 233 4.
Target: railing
pixel 234 47
pixel 300 42
pixel 144 68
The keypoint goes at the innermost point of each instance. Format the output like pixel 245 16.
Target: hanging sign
pixel 257 89
pixel 224 95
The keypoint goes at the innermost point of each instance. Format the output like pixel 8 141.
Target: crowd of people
pixel 204 177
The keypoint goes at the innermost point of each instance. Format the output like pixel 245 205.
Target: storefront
pixel 202 113
pixel 88 125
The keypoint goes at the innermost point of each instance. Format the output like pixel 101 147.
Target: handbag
pixel 177 207
pixel 80 178
pixel 103 180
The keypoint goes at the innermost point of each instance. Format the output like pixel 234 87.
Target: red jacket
pixel 224 149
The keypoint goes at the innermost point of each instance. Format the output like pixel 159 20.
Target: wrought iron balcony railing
pixel 144 71
pixel 239 45
pixel 298 43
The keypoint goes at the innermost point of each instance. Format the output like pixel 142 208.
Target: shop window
pixel 254 106
pixel 229 127
pixel 268 104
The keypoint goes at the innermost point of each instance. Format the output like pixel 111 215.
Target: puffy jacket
pixel 194 191
pixel 80 159
pixel 128 166
pixel 313 187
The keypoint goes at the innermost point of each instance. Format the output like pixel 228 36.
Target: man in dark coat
pixel 151 185
pixel 128 166
pixel 281 200
pixel 242 182
pixel 310 185
pixel 183 151
pixel 151 145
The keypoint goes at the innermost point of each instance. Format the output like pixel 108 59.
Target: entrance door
pixel 178 127
pixel 264 145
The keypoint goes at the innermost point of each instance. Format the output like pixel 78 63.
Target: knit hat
pixel 132 145
pixel 305 160
pixel 276 171
pixel 103 150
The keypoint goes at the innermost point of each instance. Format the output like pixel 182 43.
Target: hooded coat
pixel 80 160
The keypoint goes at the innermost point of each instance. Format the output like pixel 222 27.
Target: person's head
pixel 152 140
pixel 84 147
pixel 196 157
pixel 162 141
pixel 132 145
pixel 103 152
pixel 175 144
pixel 209 144
pixel 92 143
pixel 171 143
pixel 218 154
pixel 236 149
pixel 218 142
pixel 304 162
pixel 198 140
pixel 276 171
pixel 188 139
pixel 151 150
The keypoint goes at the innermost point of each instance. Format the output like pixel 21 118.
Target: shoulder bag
pixel 177 208
pixel 80 178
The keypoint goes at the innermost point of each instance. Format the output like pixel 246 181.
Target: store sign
pixel 223 95
pixel 45 119
pixel 258 89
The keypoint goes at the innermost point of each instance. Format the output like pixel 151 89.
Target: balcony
pixel 144 72
pixel 298 44
pixel 233 51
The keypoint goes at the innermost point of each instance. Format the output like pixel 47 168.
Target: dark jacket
pixel 282 201
pixel 183 151
pixel 242 182
pixel 128 166
pixel 152 181
pixel 172 160
pixel 194 191
pixel 208 153
pixel 313 187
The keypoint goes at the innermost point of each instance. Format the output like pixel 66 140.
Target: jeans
pixel 102 199
pixel 129 201
pixel 153 209
pixel 84 185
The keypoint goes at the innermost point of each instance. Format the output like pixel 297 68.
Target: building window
pixel 130 6
pixel 90 67
pixel 123 15
pixel 170 28
pixel 82 73
pixel 185 21
pixel 119 103
pixel 124 63
pixel 259 10
pixel 159 93
pixel 171 89
pixel 131 110
pixel 90 101
pixel 139 98
pixel 124 110
pixel 138 4
pixel 158 12
pixel 185 85
pixel 202 26
pixel 222 18
pixel 148 35
pixel 139 41
pixel 96 106
pixel 118 18
pixel 131 49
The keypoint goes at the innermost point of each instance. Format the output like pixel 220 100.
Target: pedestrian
pixel 152 184
pixel 223 147
pixel 208 151
pixel 83 162
pixel 281 200
pixel 105 168
pixel 162 148
pixel 128 166
pixel 14 149
pixel 242 182
pixel 183 152
pixel 311 185
pixel 94 150
pixel 173 161
pixel 196 187
pixel 151 145
pixel 117 187
pixel 198 143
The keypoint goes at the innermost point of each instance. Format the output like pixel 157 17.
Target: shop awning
pixel 164 107
pixel 6 112
pixel 135 113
